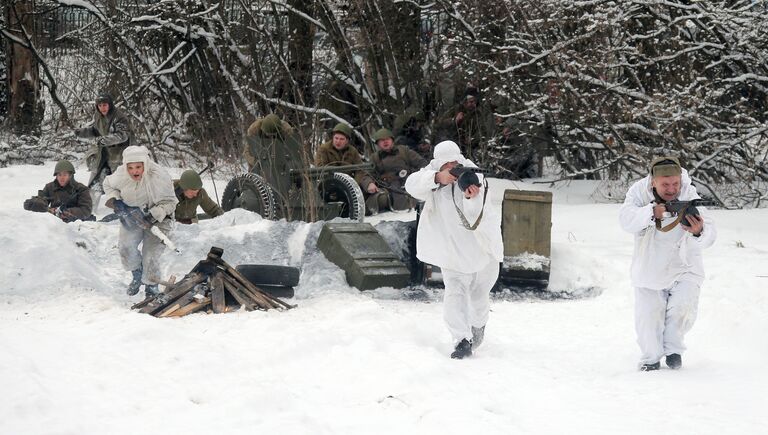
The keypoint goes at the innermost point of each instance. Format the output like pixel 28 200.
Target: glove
pixel 33 204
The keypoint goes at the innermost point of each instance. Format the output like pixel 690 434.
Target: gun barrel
pixel 331 169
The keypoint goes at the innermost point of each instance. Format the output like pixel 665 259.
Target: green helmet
pixel 64 166
pixel 382 133
pixel 270 125
pixel 190 180
pixel 344 129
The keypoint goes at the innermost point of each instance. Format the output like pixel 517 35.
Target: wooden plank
pixel 243 281
pixel 260 299
pixel 179 290
pixel 192 308
pixel 217 293
pixel 242 300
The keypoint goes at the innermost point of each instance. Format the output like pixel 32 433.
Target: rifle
pixel 687 208
pixel 134 218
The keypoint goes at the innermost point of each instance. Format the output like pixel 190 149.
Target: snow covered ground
pixel 74 359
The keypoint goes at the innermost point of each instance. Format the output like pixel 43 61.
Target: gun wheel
pixel 251 192
pixel 343 188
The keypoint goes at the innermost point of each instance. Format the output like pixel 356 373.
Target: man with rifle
pixel 112 132
pixel 141 193
pixel 459 232
pixel 667 268
pixel 64 197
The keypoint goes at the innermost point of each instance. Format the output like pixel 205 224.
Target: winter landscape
pixel 263 98
pixel 76 360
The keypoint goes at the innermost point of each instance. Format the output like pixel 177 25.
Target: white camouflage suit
pixel 154 192
pixel 667 271
pixel 469 260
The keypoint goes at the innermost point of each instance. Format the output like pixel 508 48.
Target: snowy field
pixel 74 359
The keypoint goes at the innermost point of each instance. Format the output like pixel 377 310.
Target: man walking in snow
pixel 667 267
pixel 141 193
pixel 461 234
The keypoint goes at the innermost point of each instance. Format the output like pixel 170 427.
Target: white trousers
pixel 466 302
pixel 663 317
pixel 151 247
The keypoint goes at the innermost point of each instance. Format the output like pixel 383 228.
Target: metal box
pixel 365 257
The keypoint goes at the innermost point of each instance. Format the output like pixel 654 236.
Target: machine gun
pixel 686 208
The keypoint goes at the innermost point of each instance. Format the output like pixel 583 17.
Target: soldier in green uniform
pixel 392 165
pixel 64 197
pixel 190 193
pixel 337 151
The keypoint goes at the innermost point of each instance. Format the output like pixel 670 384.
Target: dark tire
pixel 270 275
pixel 343 188
pixel 251 192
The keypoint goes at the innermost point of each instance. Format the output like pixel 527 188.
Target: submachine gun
pixel 687 208
pixel 466 176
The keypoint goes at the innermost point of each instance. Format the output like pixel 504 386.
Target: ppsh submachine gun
pixel 687 208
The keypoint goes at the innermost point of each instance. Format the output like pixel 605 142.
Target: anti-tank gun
pixel 282 183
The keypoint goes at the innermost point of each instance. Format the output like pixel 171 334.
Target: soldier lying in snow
pixel 64 197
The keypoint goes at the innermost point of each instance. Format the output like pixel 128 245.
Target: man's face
pixel 191 193
pixel 470 103
pixel 63 178
pixel 136 170
pixel 340 141
pixel 385 144
pixel 449 166
pixel 103 108
pixel 667 187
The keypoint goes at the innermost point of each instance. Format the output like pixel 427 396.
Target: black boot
pixel 650 367
pixel 135 284
pixel 477 336
pixel 674 361
pixel 463 349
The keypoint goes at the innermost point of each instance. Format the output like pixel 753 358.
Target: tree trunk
pixel 25 109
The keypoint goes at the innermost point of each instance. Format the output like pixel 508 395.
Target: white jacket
pixel 153 192
pixel 661 259
pixel 441 238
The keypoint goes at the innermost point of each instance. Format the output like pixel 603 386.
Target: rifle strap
pixel 673 224
pixel 463 218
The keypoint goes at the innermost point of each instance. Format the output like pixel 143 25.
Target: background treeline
pixel 598 87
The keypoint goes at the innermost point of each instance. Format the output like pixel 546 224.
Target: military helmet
pixel 344 129
pixel 270 125
pixel 64 166
pixel 190 180
pixel 382 133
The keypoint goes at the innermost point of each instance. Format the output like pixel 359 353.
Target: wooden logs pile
pixel 211 285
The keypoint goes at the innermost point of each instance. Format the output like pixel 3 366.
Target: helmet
pixel 344 129
pixel 190 180
pixel 270 125
pixel 382 133
pixel 64 166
